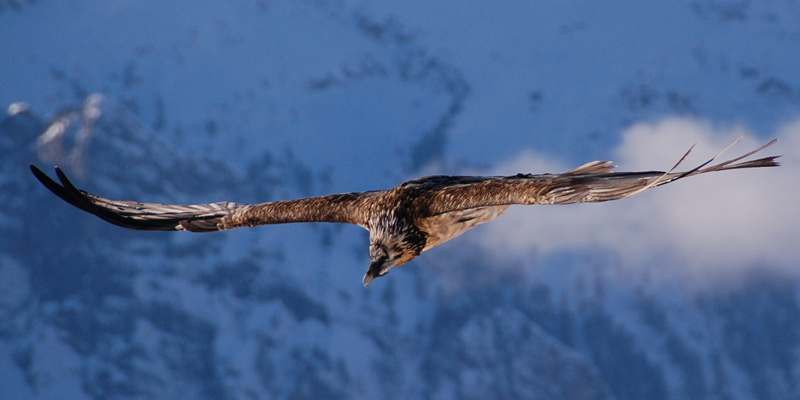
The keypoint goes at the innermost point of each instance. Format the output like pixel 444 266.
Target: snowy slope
pixel 687 292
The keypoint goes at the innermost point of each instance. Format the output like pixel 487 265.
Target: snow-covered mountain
pixel 687 291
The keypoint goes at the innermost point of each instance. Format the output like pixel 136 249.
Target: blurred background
pixel 688 291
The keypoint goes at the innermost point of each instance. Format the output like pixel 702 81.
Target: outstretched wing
pixel 592 182
pixel 220 216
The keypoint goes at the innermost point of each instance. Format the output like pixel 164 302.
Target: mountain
pixel 687 291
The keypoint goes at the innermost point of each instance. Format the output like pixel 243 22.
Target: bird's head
pixel 382 257
pixel 389 251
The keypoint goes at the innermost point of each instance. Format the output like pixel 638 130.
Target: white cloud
pixel 711 226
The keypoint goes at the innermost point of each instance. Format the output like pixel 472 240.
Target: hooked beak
pixel 373 272
pixel 367 279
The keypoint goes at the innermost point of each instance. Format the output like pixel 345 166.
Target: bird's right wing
pixel 212 217
pixel 592 182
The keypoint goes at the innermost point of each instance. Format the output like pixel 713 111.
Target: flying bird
pixel 402 221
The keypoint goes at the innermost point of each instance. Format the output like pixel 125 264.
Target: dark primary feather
pixel 204 217
pixel 134 215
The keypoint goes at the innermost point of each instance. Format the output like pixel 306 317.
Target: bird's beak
pixel 367 279
pixel 373 271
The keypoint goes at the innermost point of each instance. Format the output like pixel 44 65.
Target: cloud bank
pixel 715 225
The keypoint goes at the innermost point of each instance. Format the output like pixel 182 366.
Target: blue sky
pixel 352 95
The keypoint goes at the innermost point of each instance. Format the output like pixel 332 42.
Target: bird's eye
pixel 379 252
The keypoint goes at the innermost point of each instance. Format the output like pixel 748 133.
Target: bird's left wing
pixel 212 217
pixel 592 182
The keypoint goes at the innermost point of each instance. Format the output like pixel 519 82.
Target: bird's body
pixel 403 221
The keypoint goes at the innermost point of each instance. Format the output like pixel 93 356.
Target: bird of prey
pixel 402 221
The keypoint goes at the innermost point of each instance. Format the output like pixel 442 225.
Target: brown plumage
pixel 405 220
